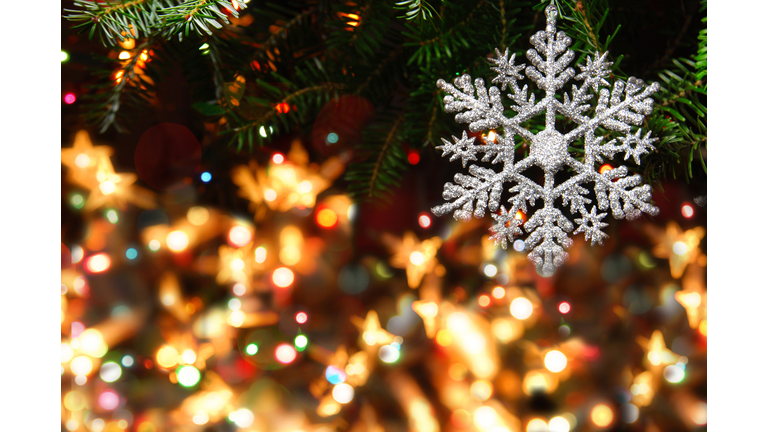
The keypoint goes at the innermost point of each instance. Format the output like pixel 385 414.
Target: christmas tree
pixel 247 235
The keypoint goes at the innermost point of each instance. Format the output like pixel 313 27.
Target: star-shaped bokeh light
pixel 417 258
pixel 680 247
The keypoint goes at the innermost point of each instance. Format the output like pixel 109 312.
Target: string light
pixel 206 177
pixel 687 211
pixel 285 353
pixel 301 317
pixel 177 241
pixel 343 393
pixel 326 218
pixel 97 263
pixel 69 98
pixel 601 415
pixel 424 220
pixel 282 277
pixel 499 292
pixel 555 361
pixel 564 307
pixel 239 236
pixel 484 301
pixel 521 308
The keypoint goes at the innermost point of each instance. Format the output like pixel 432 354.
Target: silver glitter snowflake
pixel 617 109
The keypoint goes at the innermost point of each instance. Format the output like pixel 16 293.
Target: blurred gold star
pixel 91 168
pixel 285 184
pixel 656 350
pixel 693 296
pixel 417 258
pixel 682 248
pixel 370 330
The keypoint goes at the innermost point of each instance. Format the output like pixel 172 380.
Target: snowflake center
pixel 549 150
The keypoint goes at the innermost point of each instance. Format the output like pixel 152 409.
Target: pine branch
pixel 375 179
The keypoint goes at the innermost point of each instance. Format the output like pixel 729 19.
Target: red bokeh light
pixel 97 263
pixel 285 353
pixel 278 158
pixel 301 317
pixel 282 108
pixel 604 168
pixel 109 400
pixel 564 307
pixel 424 220
pixel 687 211
pixel 413 157
pixel 69 98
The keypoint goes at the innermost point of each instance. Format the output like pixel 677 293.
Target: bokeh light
pixel 131 253
pixel 127 361
pixel 703 328
pixel 251 349
pixel 282 277
pixel 537 425
pixel 481 389
pixel 177 241
pixel 674 373
pixel 270 195
pixel 687 211
pixel 197 215
pixel 680 248
pixel 484 301
pixel 461 418
pixel 417 258
pixel 154 245
pixel 413 157
pixel 555 361
pixel 69 98
pixel 457 371
pixel 301 317
pixel 77 201
pixel 260 255
pixel 300 342
pixel 332 138
pixel 239 236
pixel 234 304
pixel 64 56
pixel 485 417
pixel 97 263
pixel 559 424
pixel 110 372
pixel 604 168
pixel 490 270
pixel 343 393
pixel 335 375
pixel 285 353
pixel 629 413
pixel 238 289
pixel 74 401
pixel 699 413
pixel 188 375
pixel 564 307
pixel 278 158
pixel 389 354
pixel 109 400
pixel 242 417
pixel 424 220
pixel 188 356
pixel 601 415
pixel 167 356
pixel 206 177
pixel 499 292
pixel 521 308
pixel 444 337
pixel 327 218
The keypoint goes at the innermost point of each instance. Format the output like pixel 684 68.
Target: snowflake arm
pixel 591 225
pixel 507 226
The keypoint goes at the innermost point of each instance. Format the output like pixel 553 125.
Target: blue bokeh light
pixel 131 253
pixel 335 375
pixel 332 138
pixel 205 177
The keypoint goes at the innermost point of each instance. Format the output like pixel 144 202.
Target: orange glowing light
pixel 97 263
pixel 687 211
pixel 499 292
pixel 703 327
pixel 167 357
pixel 602 415
pixel 282 277
pixel 484 300
pixel 444 337
pixel 424 220
pixel 235 5
pixel 278 158
pixel 282 108
pixel 520 215
pixel 285 353
pixel 125 55
pixel 461 418
pixel 604 168
pixel 144 56
pixel 457 371
pixel 240 236
pixel 326 218
pixel 118 77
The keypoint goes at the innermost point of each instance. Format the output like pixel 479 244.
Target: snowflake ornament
pixel 618 109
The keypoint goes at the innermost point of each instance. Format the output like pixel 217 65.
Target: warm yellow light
pixel 188 356
pixel 144 55
pixel 703 328
pixel 236 318
pixel 473 343
pixel 343 393
pixel 601 415
pixel 491 136
pixel 521 308
pixel 125 55
pixel 66 352
pixel 237 264
pixel 177 241
pixel 538 381
pixel 457 371
pixel 481 389
pixel 98 263
pixel 326 218
pixel 74 401
pixel 444 337
pixel 81 365
pixel 82 160
pixel 270 195
pixel 699 413
pixel 559 424
pixel 107 187
pixel 261 254
pixel 485 417
pixel 417 258
pixel 654 357
pixel 537 425
pixel 458 323
pixel 555 361
pixel 304 187
pixel 128 43
pixel 197 215
pixel 690 300
pixel 680 248
pixel 92 343
pixel 154 244
pixel 200 418
pixel 503 331
pixel 167 356
pixel 240 236
pixel 429 310
pixel 499 292
pixel 290 255
pixel 282 277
